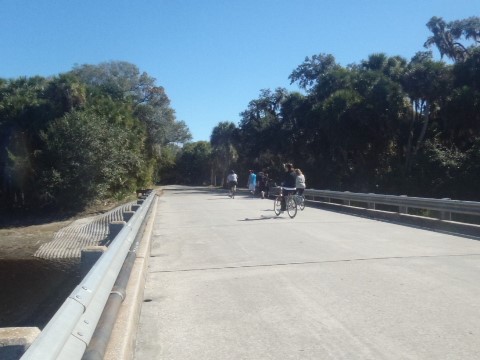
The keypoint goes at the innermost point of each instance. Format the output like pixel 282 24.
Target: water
pixel 32 290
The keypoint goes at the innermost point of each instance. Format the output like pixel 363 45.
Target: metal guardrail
pixel 68 333
pixel 445 207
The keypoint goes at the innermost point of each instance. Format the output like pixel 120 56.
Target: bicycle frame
pixel 300 200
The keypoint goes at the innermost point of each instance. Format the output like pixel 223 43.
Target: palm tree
pixel 446 36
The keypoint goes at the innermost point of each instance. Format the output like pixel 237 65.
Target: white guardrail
pixel 445 207
pixel 68 333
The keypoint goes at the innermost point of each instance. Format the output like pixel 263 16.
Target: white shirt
pixel 232 177
pixel 300 181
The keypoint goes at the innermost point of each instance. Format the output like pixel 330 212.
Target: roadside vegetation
pixel 94 134
pixel 386 124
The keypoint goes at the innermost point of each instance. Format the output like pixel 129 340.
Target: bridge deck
pixel 229 280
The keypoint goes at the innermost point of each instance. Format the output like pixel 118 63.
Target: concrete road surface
pixel 228 279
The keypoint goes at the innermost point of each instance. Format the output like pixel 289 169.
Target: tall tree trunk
pixel 411 130
pixel 421 111
pixel 426 118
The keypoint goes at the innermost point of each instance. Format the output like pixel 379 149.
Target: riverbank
pixel 35 287
pixel 18 243
pixel 19 240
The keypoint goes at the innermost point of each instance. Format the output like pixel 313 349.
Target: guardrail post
pixel 446 215
pixel 403 209
pixel 89 257
pixel 127 215
pixel 371 205
pixel 346 202
pixel 114 228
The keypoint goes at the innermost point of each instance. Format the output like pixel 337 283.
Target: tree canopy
pixel 385 124
pixel 93 133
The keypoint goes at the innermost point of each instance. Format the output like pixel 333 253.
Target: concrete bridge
pixel 220 278
pixel 227 279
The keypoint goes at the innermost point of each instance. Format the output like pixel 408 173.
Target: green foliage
pixel 194 163
pixel 96 132
pixel 313 70
pixel 452 38
pixel 123 82
pixel 384 125
pixel 223 149
pixel 167 172
pixel 86 159
pixel 437 169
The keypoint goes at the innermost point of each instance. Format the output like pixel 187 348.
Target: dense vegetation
pixel 92 134
pixel 385 125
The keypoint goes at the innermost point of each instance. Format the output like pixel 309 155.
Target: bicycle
pixel 290 203
pixel 300 200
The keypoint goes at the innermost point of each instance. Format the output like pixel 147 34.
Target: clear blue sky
pixel 212 56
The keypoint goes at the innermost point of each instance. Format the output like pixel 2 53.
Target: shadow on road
pixel 263 217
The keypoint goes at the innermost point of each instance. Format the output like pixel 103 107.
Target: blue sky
pixel 212 56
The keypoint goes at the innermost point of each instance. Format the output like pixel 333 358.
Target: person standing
pixel 267 185
pixel 252 181
pixel 261 184
pixel 288 184
pixel 300 182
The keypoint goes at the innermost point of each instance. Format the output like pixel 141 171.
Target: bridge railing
pixel 68 333
pixel 442 214
pixel 444 206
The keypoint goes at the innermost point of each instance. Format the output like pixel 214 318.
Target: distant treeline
pixel 386 125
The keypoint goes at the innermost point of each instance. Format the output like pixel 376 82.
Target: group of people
pixel 258 183
pixel 293 182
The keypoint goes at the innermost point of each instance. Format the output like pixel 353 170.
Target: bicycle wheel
pixel 301 202
pixel 277 205
pixel 291 206
pixel 234 189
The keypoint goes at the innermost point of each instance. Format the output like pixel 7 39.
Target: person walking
pixel 252 181
pixel 288 184
pixel 300 182
pixel 261 184
pixel 267 185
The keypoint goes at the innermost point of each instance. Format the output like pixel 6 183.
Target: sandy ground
pixel 22 241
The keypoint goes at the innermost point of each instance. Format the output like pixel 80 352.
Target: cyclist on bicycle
pixel 232 180
pixel 288 184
